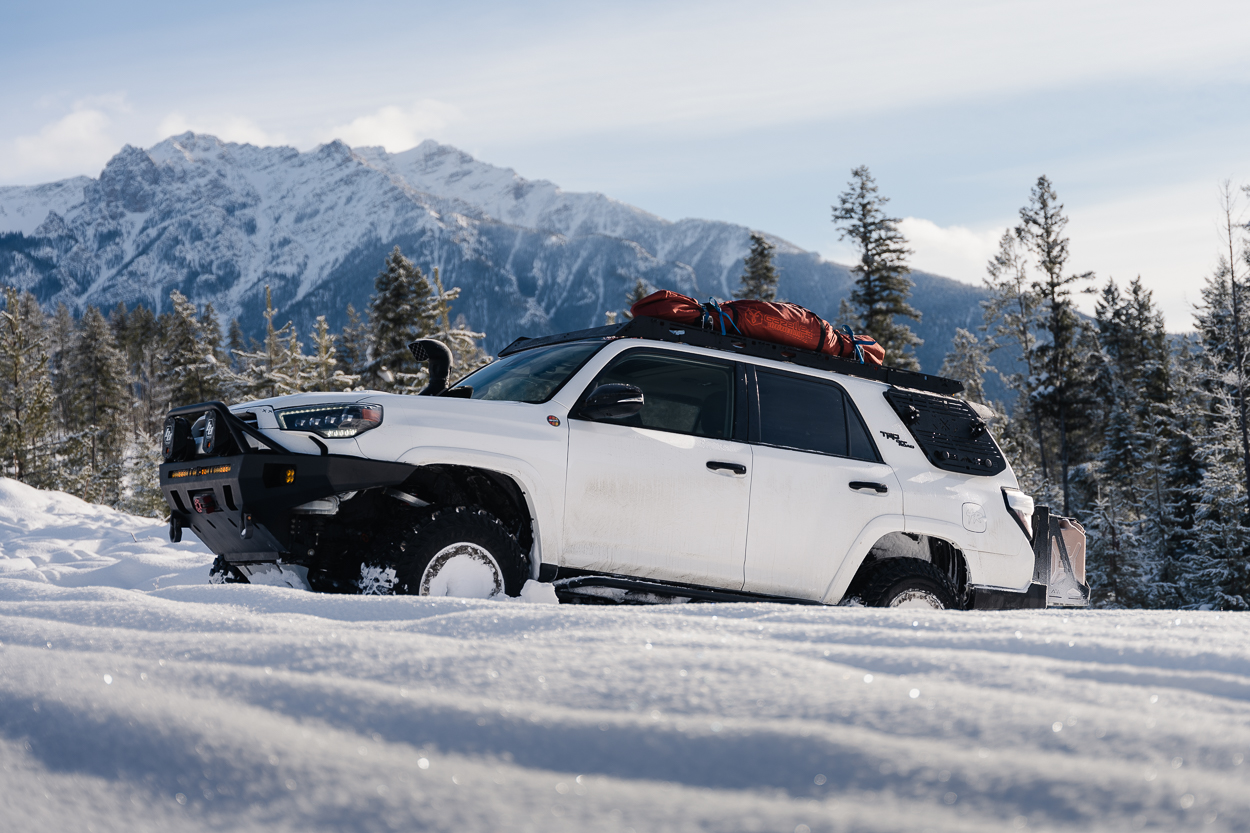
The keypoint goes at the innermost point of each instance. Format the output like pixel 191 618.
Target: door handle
pixel 736 468
pixel 879 488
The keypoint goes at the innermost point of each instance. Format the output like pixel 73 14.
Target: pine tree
pixel 234 343
pixel 399 312
pixel 1218 568
pixel 60 343
pixel 193 373
pixel 26 398
pixel 847 317
pixel 100 406
pixel 1010 318
pixel 759 280
pixel 324 363
pixel 279 367
pixel 1058 393
pixel 881 283
pixel 640 291
pixel 967 361
pixel 211 327
pixel 464 343
pixel 353 349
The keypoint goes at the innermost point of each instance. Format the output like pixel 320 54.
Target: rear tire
pixel 461 551
pixel 908 583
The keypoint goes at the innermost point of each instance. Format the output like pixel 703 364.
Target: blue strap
pixel 723 315
pixel 859 354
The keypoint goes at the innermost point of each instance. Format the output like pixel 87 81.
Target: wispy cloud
pixel 229 128
pixel 397 128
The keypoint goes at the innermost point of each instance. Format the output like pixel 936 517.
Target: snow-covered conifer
pixel 324 362
pixel 759 278
pixel 399 312
pixel 26 398
pixel 1058 392
pixel 968 362
pixel 100 410
pixel 881 283
pixel 353 346
pixel 641 290
pixel 277 368
pixel 192 372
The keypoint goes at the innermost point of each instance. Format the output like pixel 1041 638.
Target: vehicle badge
pixel 554 420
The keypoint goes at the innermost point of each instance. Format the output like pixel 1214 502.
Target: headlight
pixel 1020 506
pixel 332 421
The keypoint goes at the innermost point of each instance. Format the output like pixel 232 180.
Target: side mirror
pixel 612 401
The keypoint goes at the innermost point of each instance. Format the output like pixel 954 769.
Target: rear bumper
pixel 241 506
pixel 1058 569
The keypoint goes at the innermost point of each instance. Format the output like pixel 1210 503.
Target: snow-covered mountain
pixel 219 221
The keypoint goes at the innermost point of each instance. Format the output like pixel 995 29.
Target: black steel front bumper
pixel 240 504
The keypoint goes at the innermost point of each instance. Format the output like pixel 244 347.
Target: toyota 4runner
pixel 641 462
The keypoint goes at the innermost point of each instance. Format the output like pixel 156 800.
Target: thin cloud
pixel 953 251
pixel 397 128
pixel 228 128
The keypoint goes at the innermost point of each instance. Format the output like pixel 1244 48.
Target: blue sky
pixel 748 112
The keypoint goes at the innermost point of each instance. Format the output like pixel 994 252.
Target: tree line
pixel 1139 435
pixel 82 401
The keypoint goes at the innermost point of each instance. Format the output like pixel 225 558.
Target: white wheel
pixel 915 598
pixel 462 569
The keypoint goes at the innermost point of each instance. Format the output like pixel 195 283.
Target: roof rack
pixel 656 329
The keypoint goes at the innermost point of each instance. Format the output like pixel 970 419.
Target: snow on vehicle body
pixel 639 462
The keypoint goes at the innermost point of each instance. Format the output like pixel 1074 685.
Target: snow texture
pixel 236 707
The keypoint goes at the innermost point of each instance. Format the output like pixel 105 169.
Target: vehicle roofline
pixel 646 328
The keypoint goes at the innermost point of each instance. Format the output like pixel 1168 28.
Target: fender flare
pixel 869 535
pixel 884 524
pixel 524 474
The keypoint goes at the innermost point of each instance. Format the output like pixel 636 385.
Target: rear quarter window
pixel 810 415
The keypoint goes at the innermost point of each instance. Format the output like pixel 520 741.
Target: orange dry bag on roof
pixel 780 323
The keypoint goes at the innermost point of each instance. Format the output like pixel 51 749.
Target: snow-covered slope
pixel 259 708
pixel 58 539
pixel 219 221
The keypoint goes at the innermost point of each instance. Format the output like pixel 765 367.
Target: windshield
pixel 530 376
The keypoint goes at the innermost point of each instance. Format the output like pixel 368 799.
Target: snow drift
pixel 195 707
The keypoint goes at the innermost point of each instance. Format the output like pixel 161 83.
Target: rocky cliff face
pixel 220 221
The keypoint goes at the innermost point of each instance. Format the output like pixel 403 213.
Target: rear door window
pixel 681 395
pixel 810 415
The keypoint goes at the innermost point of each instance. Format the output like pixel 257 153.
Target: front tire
pixel 909 583
pixel 462 551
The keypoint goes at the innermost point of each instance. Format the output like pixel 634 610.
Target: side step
pixel 569 586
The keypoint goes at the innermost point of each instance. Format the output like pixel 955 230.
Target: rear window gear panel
pixel 949 432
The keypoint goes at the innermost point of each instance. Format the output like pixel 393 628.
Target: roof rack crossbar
pixel 656 329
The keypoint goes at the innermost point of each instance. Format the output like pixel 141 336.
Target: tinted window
pixel 686 396
pixel 809 415
pixel 531 375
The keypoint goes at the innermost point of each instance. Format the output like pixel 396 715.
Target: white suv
pixel 642 462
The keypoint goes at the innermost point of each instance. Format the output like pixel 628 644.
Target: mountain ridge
pixel 218 221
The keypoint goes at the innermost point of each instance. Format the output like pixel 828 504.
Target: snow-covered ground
pixel 134 697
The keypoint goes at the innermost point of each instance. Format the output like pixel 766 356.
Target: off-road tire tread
pixel 462 523
pixel 887 575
